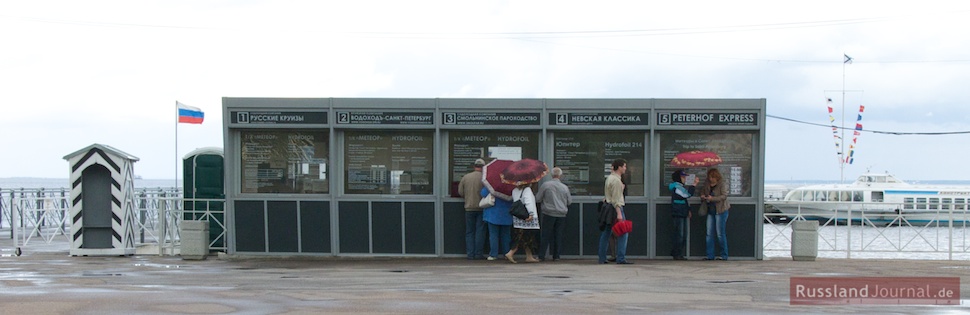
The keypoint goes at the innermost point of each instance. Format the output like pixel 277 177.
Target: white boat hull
pixel 879 199
pixel 874 214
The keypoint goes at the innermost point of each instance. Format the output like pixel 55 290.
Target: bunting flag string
pixel 835 131
pixel 845 157
pixel 855 135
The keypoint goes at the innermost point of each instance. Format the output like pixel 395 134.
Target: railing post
pixel 141 214
pixel 16 223
pixel 65 209
pixel 848 234
pixel 1 207
pixel 950 237
pixel 39 214
pixel 162 225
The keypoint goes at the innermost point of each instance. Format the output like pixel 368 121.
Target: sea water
pixel 17 183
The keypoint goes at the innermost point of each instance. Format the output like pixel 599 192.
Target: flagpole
pixel 842 146
pixel 176 145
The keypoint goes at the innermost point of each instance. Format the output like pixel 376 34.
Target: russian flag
pixel 189 114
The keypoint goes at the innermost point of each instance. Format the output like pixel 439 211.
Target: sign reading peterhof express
pixel 600 119
pixel 301 117
pixel 707 119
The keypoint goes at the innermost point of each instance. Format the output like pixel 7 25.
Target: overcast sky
pixel 73 73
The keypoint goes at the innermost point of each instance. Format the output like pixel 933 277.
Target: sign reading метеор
pixel 281 117
pixel 385 118
pixel 707 119
pixel 600 119
pixel 484 118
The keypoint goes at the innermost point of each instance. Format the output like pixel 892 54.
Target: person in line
pixel 499 225
pixel 525 231
pixel 614 197
pixel 680 211
pixel 555 199
pixel 470 187
pixel 612 256
pixel 713 196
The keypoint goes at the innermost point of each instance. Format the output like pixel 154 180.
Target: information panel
pixel 599 119
pixel 385 118
pixel 696 152
pixel 284 161
pixel 490 118
pixel 466 146
pixel 278 118
pixel 707 119
pixel 388 161
pixel 586 159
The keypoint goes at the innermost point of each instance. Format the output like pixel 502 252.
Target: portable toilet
pixel 102 201
pixel 203 185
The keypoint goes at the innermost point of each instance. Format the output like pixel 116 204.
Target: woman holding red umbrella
pixel 499 225
pixel 523 173
pixel 526 230
pixel 497 216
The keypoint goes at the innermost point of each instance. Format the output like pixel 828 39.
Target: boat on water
pixel 878 199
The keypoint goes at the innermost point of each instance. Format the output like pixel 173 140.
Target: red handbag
pixel 622 227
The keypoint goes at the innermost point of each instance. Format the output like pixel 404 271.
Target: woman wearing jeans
pixel 499 225
pixel 714 199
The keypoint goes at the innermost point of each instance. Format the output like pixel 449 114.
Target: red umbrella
pixel 524 171
pixel 492 178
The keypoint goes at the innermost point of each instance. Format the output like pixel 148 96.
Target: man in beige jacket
pixel 470 188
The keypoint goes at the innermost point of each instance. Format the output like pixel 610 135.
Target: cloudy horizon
pixel 110 72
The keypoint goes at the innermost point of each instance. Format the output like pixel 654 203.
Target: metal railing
pixel 874 230
pixel 42 215
pixel 862 231
pixel 31 214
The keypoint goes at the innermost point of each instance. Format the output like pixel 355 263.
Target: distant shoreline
pixel 58 183
pixel 41 182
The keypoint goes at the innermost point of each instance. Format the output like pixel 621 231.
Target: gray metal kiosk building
pixel 378 176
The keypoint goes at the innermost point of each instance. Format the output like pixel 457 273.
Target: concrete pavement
pixel 52 282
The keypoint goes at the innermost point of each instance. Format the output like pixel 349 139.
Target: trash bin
pixel 194 236
pixel 102 209
pixel 804 240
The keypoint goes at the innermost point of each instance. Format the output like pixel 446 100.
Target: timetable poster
pixel 696 152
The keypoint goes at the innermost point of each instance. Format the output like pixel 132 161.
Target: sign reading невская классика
pixel 599 119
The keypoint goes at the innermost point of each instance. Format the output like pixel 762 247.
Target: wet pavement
pixel 49 281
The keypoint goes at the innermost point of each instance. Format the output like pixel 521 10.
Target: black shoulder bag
pixel 518 208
